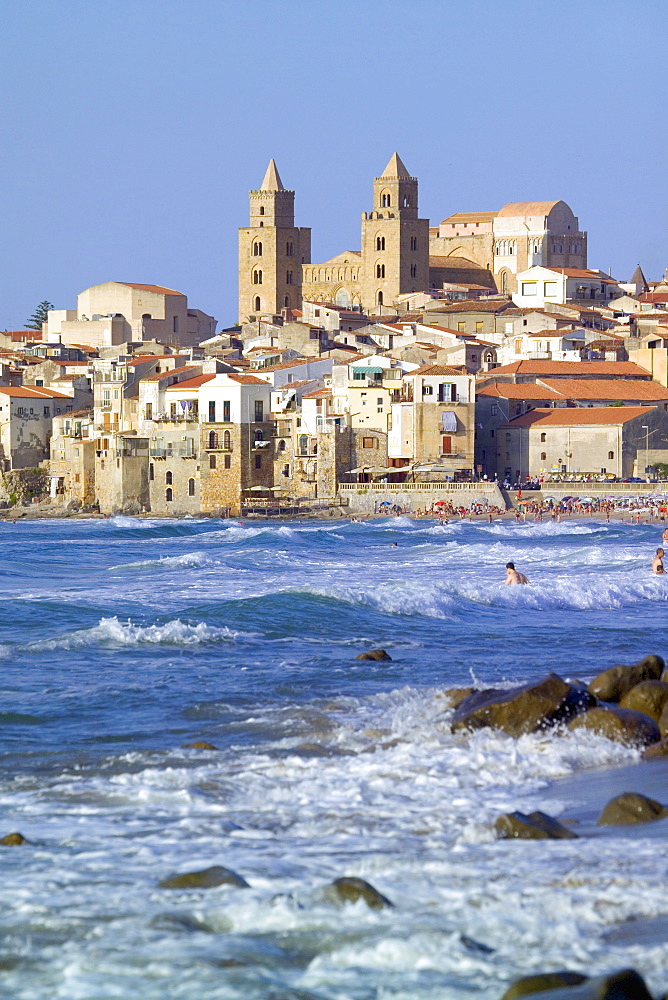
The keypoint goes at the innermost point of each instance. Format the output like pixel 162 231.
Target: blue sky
pixel 133 129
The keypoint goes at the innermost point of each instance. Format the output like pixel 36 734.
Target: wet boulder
pixel 623 725
pixel 631 807
pixel 375 654
pixel 453 697
pixel 659 749
pixel 531 826
pixel 612 684
pixel 525 709
pixel 198 745
pixel 207 878
pixel 540 983
pixel 624 985
pixel 350 889
pixel 663 722
pixel 649 697
pixel 13 840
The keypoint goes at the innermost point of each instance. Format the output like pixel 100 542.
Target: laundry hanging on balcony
pixel 449 422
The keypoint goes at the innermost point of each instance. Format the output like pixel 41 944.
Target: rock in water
pixel 13 840
pixel 612 684
pixel 524 709
pixel 453 697
pixel 659 749
pixel 624 985
pixel 198 745
pixel 545 981
pixel 350 889
pixel 649 697
pixel 374 654
pixel 207 878
pixel 620 724
pixel 532 826
pixel 631 807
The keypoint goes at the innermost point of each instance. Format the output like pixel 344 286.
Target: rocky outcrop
pixel 375 654
pixel 631 807
pixel 532 826
pixel 649 697
pixel 13 840
pixel 624 985
pixel 453 697
pixel 659 749
pixel 207 878
pixel 526 709
pixel 198 745
pixel 623 725
pixel 612 684
pixel 350 889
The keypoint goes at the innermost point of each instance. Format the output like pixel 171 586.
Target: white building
pixel 539 286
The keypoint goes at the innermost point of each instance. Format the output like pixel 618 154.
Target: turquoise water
pixel 121 640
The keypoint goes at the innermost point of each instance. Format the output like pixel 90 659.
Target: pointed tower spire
pixel 639 281
pixel 395 168
pixel 272 179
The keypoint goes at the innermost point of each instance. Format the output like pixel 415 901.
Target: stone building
pixel 72 458
pixel 26 415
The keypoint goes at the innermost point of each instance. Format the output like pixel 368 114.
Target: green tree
pixel 39 316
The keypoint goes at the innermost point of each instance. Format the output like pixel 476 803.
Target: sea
pixel 122 640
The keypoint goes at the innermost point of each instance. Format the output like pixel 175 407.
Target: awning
pixel 372 369
pixel 449 422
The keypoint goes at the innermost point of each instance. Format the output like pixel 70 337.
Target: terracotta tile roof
pixel 478 305
pixel 248 379
pixel 66 364
pixel 615 369
pixel 435 370
pixel 140 359
pixel 295 363
pixel 579 272
pixel 565 416
pixel 459 217
pixel 32 393
pixel 509 390
pixel 158 289
pixel 551 333
pixel 444 329
pixel 602 388
pixel 188 383
pixel 318 394
pixel 296 385
pixel 159 376
pixel 454 263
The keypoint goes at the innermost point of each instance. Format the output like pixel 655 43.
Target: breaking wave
pixel 186 561
pixel 113 631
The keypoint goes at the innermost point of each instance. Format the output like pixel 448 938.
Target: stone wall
pixel 366 501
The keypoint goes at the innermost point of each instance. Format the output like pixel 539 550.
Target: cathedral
pixel 399 253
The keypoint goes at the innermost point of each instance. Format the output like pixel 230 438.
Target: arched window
pixel 169 495
pixel 213 439
pixel 286 301
pixel 288 277
pixel 257 249
pixel 413 242
pixel 227 441
pixel 407 201
pixel 281 446
pixel 261 209
pixel 489 358
pixel 257 277
pixel 380 242
pixel 543 436
pixel 289 249
pixel 168 478
pixel 303 444
pixel 380 270
pixel 385 199
pixel 611 454
pixel 191 487
pixel 259 436
pixel 379 298
pixel 543 456
pixel 413 270
pixel 504 282
pixel 257 305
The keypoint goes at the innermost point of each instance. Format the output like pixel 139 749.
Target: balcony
pixel 176 451
pixel 174 418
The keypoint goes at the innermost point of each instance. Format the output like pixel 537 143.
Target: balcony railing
pixel 175 418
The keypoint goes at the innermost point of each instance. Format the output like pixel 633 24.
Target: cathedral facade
pixel 399 252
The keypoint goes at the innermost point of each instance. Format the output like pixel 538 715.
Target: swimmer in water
pixel 512 576
pixel 657 563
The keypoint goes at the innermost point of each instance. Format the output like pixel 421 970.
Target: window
pixel 379 298
pixel 478 326
pixel 213 439
pixel 191 487
pixel 261 209
pixel 427 390
pixel 168 478
pixel 256 304
pixel 289 249
pixel 549 289
pixel 494 409
pixel 288 277
pixel 285 471
pixel 47 411
pixel 169 495
pixel 212 411
pixel 529 287
pixel 227 461
pixel 226 411
pixel 446 443
pixel 257 277
pixel 413 242
pixel 413 270
pixel 380 242
pixel 474 357
pixel 281 445
pixel 151 472
pixel 543 436
pixel 258 461
pixel 77 477
pixel 259 411
pixel 303 444
pixel 504 283
pixel 543 456
pixel 385 200
pixel 379 401
pixel 227 441
pixel 369 442
pixel 258 436
pixel 175 324
pixel 380 270
pixel 212 461
pixel 148 412
pixel 518 346
pixel 39 381
pixel 611 454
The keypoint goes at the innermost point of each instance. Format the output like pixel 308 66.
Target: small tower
pixel 395 242
pixel 271 251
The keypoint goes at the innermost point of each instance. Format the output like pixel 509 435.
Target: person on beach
pixel 657 563
pixel 664 536
pixel 512 575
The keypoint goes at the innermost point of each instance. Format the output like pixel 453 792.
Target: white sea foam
pixel 186 561
pixel 111 630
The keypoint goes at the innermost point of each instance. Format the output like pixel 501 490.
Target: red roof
pixel 564 416
pixel 615 369
pixel 248 380
pixel 188 383
pixel 32 393
pixel 158 289
pixel 509 390
pixel 435 370
pixel 162 375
